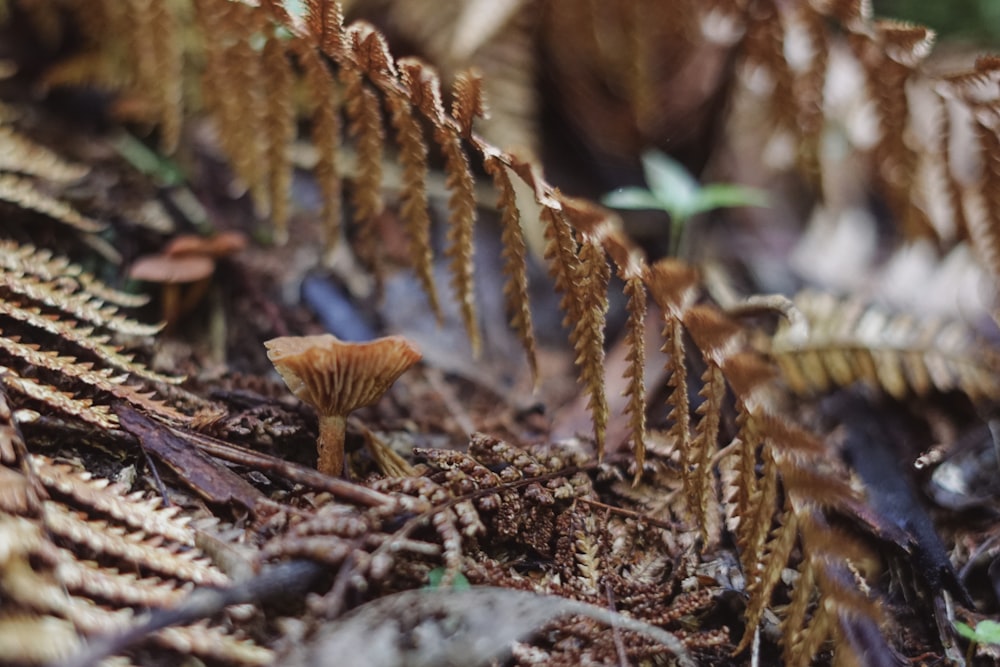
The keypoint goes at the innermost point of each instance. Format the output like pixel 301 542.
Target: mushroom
pixel 218 246
pixel 337 377
pixel 174 273
pixel 187 260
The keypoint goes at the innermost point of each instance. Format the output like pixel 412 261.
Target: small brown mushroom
pixel 218 246
pixel 337 377
pixel 174 273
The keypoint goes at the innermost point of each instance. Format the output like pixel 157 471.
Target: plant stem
pixel 677 226
pixel 330 445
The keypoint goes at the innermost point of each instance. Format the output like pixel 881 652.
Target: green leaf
pixel 725 195
pixel 986 632
pixel 144 159
pixel 670 183
pixel 436 576
pixel 632 198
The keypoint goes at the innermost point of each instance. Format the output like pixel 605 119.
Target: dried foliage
pixel 82 558
pixel 774 481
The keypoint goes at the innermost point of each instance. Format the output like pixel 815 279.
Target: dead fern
pixel 850 341
pixel 778 486
pixel 82 559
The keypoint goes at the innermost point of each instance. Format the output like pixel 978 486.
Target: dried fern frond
pixel 425 89
pixel 515 257
pixel 278 127
pixel 51 574
pixel 100 379
pixel 79 305
pixel 22 193
pixel 850 341
pixel 325 131
pixel 25 259
pixel 413 156
pixel 22 155
pixel 60 401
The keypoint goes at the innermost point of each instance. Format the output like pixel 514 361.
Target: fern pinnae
pixel 671 284
pixel 414 211
pixel 167 45
pixel 42 264
pixel 467 101
pixel 81 408
pixel 796 613
pixel 22 192
pixel 76 304
pixel 851 341
pixel 248 105
pixel 83 337
pixel 365 125
pixel 776 554
pixel 100 379
pixel 635 390
pixel 325 22
pixel 515 262
pixel 24 156
pixel 715 335
pixel 593 274
pixel 278 125
pixel 325 132
pixel 426 91
pixel 890 53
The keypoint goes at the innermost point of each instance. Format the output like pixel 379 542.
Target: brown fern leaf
pixel 849 341
pixel 78 305
pixel 635 330
pixel 413 156
pixel 425 91
pixel 672 286
pixel 828 570
pixel 167 45
pixel 100 379
pixel 587 334
pixel 278 127
pixel 773 562
pixel 93 521
pixel 467 102
pixel 325 132
pixel 715 336
pixel 80 408
pixel 561 253
pixel 890 52
pixel 365 125
pixel 230 87
pixel 325 21
pixel 514 255
pixel 83 337
pixel 25 259
pixel 24 156
pixel 22 193
pixel 975 91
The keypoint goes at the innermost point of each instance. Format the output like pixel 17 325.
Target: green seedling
pixel 985 632
pixel 435 579
pixel 674 190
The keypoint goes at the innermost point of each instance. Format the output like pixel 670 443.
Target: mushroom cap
pixel 218 246
pixel 336 376
pixel 167 269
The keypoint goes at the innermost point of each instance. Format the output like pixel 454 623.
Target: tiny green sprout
pixel 436 576
pixel 985 632
pixel 674 190
pixel 164 171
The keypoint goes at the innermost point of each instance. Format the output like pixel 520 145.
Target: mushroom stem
pixel 330 445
